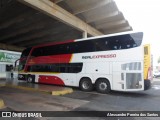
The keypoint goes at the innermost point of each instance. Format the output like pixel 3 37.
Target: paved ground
pixel 22 100
pixel 50 89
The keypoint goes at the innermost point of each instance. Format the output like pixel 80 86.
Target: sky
pixel 144 15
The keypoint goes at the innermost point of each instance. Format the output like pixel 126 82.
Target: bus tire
pixel 30 79
pixel 86 84
pixel 103 85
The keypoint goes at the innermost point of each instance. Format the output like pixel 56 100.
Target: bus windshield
pixel 23 59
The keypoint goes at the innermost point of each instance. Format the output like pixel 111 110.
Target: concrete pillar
pixel 84 34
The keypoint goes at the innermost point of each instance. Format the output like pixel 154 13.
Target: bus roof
pixel 69 41
pixel 108 35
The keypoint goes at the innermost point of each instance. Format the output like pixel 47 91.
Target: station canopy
pixel 26 23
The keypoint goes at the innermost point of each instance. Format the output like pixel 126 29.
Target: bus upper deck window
pixel 134 45
pixel 128 46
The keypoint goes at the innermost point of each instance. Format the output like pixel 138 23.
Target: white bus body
pixel 123 69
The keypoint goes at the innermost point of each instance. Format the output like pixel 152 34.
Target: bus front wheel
pixel 103 85
pixel 86 84
pixel 30 79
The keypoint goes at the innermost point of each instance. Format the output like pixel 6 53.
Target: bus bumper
pixel 147 84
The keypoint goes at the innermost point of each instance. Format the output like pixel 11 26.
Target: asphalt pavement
pixel 22 100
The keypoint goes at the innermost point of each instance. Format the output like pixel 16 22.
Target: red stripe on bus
pixel 50 80
pixel 53 43
pixel 50 59
pixel 30 62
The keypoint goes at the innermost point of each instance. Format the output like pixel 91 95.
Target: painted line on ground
pixel 67 91
pixel 2 105
pixel 2 85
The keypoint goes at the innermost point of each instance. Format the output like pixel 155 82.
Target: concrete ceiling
pixel 25 23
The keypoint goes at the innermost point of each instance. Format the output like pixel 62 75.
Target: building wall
pixel 7 58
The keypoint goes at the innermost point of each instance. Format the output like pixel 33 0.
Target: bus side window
pixel 134 45
pixel 115 47
pixel 128 45
pixel 101 44
pixel 62 68
pixel 55 68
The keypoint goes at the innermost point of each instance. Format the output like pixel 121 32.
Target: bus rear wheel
pixel 86 84
pixel 103 86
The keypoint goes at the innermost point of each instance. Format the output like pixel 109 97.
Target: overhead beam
pixel 59 13
pixel 33 26
pixel 120 26
pixel 110 24
pixel 25 38
pixel 56 1
pixel 22 31
pixel 16 19
pixel 17 29
pixel 119 16
pixel 55 38
pixel 94 5
pixel 11 47
pixel 15 8
pixel 35 40
pixel 52 29
pixel 102 16
pixel 9 23
pixel 123 29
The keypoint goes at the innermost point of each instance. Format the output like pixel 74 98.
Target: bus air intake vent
pixel 131 66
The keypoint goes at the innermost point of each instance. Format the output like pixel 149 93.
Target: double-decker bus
pixel 109 62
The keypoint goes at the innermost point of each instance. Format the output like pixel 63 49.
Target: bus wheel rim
pixel 102 86
pixel 29 79
pixel 85 85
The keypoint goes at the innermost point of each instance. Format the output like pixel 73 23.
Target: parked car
pixel 156 74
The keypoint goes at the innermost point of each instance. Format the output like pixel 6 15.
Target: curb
pixel 2 104
pixel 62 92
pixel 2 85
pixel 23 88
pixel 56 93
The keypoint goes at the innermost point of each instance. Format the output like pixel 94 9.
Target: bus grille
pixel 132 80
pixel 132 75
pixel 131 66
